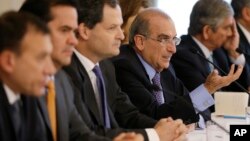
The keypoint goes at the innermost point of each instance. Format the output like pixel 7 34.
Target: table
pixel 201 135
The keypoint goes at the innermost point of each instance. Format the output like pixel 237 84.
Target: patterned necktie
pixel 102 93
pixel 158 94
pixel 51 106
pixel 211 67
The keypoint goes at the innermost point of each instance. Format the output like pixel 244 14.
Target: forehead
pixel 34 42
pixel 64 14
pixel 112 15
pixel 228 21
pixel 160 25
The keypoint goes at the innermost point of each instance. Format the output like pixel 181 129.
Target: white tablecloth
pixel 201 135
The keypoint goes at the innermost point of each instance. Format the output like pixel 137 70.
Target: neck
pixel 84 50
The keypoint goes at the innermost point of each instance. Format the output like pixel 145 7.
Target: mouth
pixel 68 51
pixel 167 58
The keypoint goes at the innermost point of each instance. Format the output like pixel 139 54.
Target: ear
pixel 7 61
pixel 139 42
pixel 206 31
pixel 246 13
pixel 83 31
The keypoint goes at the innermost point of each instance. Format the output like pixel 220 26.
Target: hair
pixel 42 8
pixel 141 24
pixel 238 6
pixel 131 8
pixel 90 12
pixel 208 12
pixel 14 26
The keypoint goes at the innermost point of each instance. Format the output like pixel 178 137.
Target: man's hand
pixel 171 130
pixel 232 42
pixel 131 136
pixel 215 82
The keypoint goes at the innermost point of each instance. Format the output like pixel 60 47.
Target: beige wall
pixel 6 5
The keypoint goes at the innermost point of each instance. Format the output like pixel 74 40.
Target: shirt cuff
pixel 202 123
pixel 201 99
pixel 241 60
pixel 152 134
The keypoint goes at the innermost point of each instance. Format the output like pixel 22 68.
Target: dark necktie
pixel 17 115
pixel 102 93
pixel 158 94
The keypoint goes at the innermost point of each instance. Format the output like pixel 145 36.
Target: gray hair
pixel 141 23
pixel 208 12
pixel 238 5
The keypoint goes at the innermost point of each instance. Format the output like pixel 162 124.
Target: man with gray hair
pixel 212 35
pixel 144 65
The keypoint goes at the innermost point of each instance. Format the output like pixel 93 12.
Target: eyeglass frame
pixel 164 41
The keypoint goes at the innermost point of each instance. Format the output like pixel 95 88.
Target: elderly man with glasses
pixel 143 70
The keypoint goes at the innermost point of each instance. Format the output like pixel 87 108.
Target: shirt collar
pixel 88 64
pixel 245 32
pixel 203 48
pixel 11 95
pixel 149 69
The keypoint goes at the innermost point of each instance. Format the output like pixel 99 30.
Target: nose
pixel 171 47
pixel 72 40
pixel 120 34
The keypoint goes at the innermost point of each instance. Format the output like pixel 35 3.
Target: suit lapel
pixel 43 108
pixel 61 109
pixel 140 68
pixel 204 70
pixel 87 89
pixel 6 115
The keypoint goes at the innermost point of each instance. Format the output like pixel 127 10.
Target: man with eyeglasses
pixel 143 70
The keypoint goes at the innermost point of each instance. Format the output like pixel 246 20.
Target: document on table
pixel 231 104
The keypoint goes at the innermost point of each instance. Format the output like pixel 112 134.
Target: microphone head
pixel 239 50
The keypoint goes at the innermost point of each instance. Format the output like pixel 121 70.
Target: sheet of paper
pixel 231 103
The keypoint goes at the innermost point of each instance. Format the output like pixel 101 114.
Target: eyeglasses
pixel 164 40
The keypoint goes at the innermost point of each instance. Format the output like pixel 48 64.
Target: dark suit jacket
pixel 32 128
pixel 133 79
pixel 192 68
pixel 70 126
pixel 122 113
pixel 244 45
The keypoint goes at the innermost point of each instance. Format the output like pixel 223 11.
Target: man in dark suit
pixel 61 17
pixel 24 69
pixel 241 9
pixel 100 35
pixel 152 43
pixel 209 30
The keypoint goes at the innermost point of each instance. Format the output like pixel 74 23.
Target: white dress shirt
pixel 89 65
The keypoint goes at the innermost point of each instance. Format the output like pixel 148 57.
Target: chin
pixel 115 53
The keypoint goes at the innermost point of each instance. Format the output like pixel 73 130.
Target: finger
pixel 181 137
pixel 119 137
pixel 238 72
pixel 231 72
pixel 178 122
pixel 169 119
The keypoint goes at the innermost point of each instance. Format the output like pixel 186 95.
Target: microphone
pixel 190 105
pixel 195 51
pixel 241 51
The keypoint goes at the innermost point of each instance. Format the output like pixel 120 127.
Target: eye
pixel 163 40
